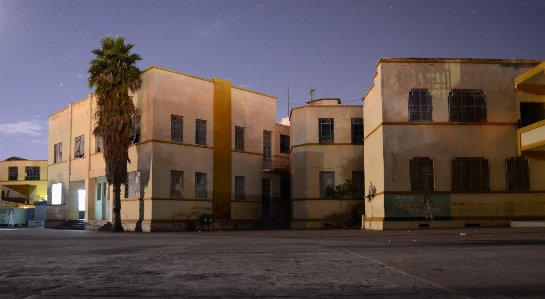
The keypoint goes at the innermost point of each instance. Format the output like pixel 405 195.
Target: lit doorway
pixel 81 203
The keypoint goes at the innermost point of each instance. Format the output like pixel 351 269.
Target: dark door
pixel 266 198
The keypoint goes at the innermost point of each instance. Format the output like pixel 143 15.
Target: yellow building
pixel 202 147
pixel 327 149
pixel 444 144
pixel 23 182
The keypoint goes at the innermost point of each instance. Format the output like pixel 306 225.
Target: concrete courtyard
pixel 456 263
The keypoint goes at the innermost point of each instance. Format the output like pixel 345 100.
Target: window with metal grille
pixel 284 144
pixel 358 178
pixel 32 173
pixel 132 187
pixel 135 136
pixel 267 153
pixel 79 147
pixel 100 146
pixel 325 128
pixel 57 153
pixel 467 105
pixel 420 105
pixel 421 174
pixel 176 128
pixel 327 178
pixel 240 193
pixel 200 185
pixel 13 173
pixel 357 130
pixel 470 173
pixel 200 132
pixel 518 173
pixel 239 138
pixel 176 183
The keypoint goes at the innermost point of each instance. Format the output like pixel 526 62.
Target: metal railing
pixel 276 163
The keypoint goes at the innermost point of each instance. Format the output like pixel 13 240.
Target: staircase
pixel 72 224
pixel 98 225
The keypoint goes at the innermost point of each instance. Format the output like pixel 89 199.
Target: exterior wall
pixel 387 168
pixel 164 93
pixel 33 190
pixel 309 158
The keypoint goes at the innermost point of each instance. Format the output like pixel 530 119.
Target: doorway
pixel 81 203
pixel 266 199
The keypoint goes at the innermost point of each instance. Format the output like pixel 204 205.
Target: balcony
pixel 531 135
pixel 276 164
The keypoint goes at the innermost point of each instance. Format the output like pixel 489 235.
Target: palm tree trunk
pixel 117 227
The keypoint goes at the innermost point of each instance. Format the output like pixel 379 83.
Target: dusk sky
pixel 266 46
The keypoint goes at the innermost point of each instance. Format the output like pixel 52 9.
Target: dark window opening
pixel 517 173
pixel 135 136
pixel 200 132
pixel 239 138
pixel 420 105
pixel 176 128
pixel 358 178
pixel 470 174
pixel 79 147
pixel 284 144
pixel 13 173
pixel 176 183
pixel 421 174
pixel 467 105
pixel 32 173
pixel 531 113
pixel 325 128
pixel 357 130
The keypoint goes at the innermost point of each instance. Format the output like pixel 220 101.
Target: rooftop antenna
pixel 288 101
pixel 312 96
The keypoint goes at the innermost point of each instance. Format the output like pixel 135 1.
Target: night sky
pixel 266 46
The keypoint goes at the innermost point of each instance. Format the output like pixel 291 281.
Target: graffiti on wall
pixel 421 206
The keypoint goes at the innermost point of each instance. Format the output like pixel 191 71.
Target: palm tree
pixel 114 74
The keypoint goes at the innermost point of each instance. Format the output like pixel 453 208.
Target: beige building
pixel 23 182
pixel 327 149
pixel 445 147
pixel 202 147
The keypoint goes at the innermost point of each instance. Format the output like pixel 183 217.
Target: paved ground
pixel 483 263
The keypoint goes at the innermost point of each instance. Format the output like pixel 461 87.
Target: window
pixel 240 193
pixel 327 178
pixel 358 179
pixel 79 147
pixel 200 132
pixel 267 154
pixel 467 105
pixel 325 127
pixel 56 194
pixel 132 187
pixel 32 173
pixel 176 183
pixel 357 130
pixel 470 173
pixel 284 144
pixel 420 106
pixel 99 191
pixel 200 185
pixel 100 146
pixel 421 174
pixel 13 173
pixel 135 136
pixel 57 152
pixel 176 128
pixel 239 138
pixel 518 173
